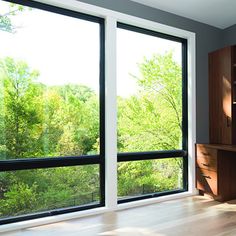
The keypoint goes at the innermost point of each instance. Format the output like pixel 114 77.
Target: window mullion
pixel 111 113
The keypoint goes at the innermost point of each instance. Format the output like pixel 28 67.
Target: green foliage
pixel 44 121
pixel 5 17
pixel 141 177
pixel 19 199
pixel 39 120
pixel 152 120
pixel 19 112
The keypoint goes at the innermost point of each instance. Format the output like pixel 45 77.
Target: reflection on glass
pixel 149 81
pixel 30 191
pixel 49 85
pixel 137 178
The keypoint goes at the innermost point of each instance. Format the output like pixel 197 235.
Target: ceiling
pixel 218 13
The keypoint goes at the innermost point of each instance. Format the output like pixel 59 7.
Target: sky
pixel 132 48
pixel 66 50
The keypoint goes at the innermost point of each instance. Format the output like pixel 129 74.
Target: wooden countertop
pixel 225 147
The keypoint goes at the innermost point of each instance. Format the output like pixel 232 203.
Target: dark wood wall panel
pixel 220 96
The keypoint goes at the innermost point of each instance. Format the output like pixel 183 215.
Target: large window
pixel 53 154
pixel 51 111
pixel 152 113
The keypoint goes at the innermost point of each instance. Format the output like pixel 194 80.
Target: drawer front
pixel 206 158
pixel 207 181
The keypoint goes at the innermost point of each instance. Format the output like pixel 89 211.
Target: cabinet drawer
pixel 207 181
pixel 206 158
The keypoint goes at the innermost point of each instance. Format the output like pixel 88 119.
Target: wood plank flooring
pixel 194 216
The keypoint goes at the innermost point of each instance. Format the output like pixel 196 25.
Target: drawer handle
pixel 206 176
pixel 205 153
pixel 205 164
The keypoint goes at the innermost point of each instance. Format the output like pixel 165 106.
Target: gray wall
pixel 229 36
pixel 208 38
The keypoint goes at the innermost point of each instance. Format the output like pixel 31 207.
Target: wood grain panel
pixel 207 162
pixel 227 175
pixel 206 158
pixel 220 96
pixel 217 177
pixel 215 109
pixel 231 148
pixel 225 77
pixel 207 181
pixel 234 94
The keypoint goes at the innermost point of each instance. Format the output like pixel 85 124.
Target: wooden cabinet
pixel 222 96
pixel 216 171
pixel 216 162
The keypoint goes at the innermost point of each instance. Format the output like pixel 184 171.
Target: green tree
pixel 5 17
pixel 19 199
pixel 41 120
pixel 19 107
pixel 79 119
pixel 152 120
pixel 37 121
pixel 149 121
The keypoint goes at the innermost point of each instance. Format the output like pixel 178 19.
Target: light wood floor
pixel 192 216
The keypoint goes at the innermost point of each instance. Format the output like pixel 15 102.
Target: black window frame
pixel 161 154
pixel 49 162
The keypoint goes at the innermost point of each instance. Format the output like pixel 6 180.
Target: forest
pixel 38 120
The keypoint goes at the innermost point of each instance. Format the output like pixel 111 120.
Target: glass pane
pixel 49 84
pixel 30 191
pixel 149 80
pixel 137 178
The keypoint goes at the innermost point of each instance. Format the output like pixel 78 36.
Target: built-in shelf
pixel 234 103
